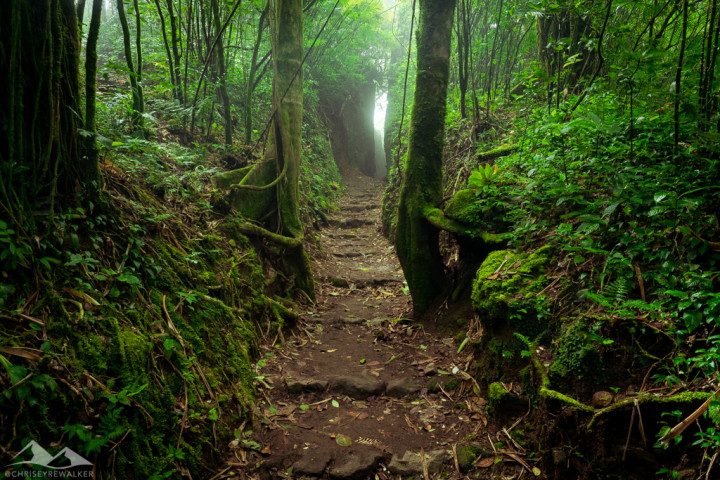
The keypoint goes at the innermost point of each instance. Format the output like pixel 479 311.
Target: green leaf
pixel 660 196
pixel 304 407
pixel 692 320
pixel 17 373
pixel 335 404
pixel 462 345
pixel 129 278
pixel 343 440
pixel 610 209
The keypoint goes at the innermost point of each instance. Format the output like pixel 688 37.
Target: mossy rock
pixel 576 356
pixel 461 206
pixel 506 291
pixel 480 209
pixel 466 455
pixel 497 394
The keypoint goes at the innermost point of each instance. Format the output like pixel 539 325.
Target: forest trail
pixel 359 390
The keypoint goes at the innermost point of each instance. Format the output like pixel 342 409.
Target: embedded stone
pixel 357 387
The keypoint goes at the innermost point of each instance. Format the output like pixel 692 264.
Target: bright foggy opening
pixel 379 122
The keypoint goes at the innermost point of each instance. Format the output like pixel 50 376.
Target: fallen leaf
pixel 343 440
pixel 485 462
pixel 20 352
pixel 335 404
pixel 358 415
pixel 536 471
pixel 266 450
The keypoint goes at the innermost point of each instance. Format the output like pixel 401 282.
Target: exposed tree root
pixel 290 242
pixel 546 392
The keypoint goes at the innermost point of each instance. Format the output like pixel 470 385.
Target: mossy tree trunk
pixel 421 189
pixel 40 162
pixel 270 191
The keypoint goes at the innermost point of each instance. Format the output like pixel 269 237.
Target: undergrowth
pixel 635 237
pixel 129 332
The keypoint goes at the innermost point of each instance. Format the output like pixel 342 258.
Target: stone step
pixel 361 282
pixel 346 236
pixel 357 387
pixel 358 207
pixel 352 254
pixel 348 223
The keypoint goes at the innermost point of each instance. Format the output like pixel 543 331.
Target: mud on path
pixel 358 390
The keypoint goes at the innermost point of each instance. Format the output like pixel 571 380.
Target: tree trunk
pixel 221 88
pixel 166 44
pixel 39 97
pixel 278 174
pixel 90 151
pixel 464 46
pixel 176 53
pixel 678 77
pixel 137 103
pixel 251 76
pixel 421 190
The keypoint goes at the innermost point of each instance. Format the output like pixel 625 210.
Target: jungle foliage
pixel 584 134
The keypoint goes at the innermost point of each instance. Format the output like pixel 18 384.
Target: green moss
pixel 227 179
pixel 466 455
pixel 501 151
pixel 497 394
pixel 576 356
pixel 461 207
pixel 506 290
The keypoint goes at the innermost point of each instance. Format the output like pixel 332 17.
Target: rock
pixel 401 387
pixel 358 464
pixel 433 385
pixel 313 462
pixel 430 369
pixel 560 456
pixel 411 463
pixel 466 455
pixel 303 386
pixel 357 387
pixel 601 399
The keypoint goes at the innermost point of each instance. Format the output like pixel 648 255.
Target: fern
pixel 618 290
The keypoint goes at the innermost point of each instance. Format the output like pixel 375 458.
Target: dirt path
pixel 359 391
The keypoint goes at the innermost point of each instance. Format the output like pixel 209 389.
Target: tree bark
pixel 251 76
pixel 176 53
pixel 166 44
pixel 678 77
pixel 221 88
pixel 39 97
pixel 137 103
pixel 421 189
pixel 89 159
pixel 272 186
